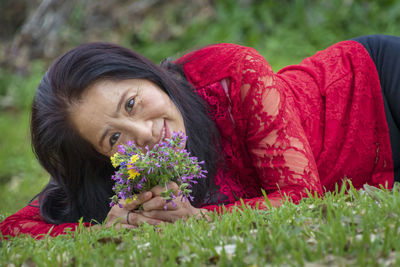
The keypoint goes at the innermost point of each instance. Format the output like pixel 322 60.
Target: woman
pixel 302 130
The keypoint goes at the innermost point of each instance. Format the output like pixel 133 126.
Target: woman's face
pixel 111 113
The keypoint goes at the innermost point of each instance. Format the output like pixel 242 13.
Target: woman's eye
pixel 129 105
pixel 114 138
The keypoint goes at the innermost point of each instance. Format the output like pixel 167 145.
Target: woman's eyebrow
pixel 120 103
pixel 103 136
pixel 117 111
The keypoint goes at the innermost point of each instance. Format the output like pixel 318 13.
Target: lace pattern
pixel 302 130
pixel 264 143
pixel 28 221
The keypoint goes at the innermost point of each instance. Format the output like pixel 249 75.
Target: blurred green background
pixel 35 32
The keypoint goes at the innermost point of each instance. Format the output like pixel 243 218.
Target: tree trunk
pixel 39 34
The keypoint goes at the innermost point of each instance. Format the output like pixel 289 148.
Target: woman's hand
pixel 125 217
pixel 155 207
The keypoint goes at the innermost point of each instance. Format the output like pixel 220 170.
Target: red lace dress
pixel 303 129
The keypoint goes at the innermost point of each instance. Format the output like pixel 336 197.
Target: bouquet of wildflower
pixel 139 171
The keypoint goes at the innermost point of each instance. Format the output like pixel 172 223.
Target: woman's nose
pixel 140 132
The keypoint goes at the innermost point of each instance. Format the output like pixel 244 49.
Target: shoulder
pixel 326 66
pixel 214 62
pixel 344 53
pixel 215 49
pixel 344 48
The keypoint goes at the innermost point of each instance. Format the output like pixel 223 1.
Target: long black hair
pixel 80 184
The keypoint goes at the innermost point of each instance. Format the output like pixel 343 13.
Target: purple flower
pixel 167 161
pixel 139 186
pixel 121 149
pixel 173 204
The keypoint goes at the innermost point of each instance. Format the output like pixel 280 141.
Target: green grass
pixel 21 176
pixel 355 229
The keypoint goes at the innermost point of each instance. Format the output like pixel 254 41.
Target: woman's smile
pixel 164 134
pixel 110 113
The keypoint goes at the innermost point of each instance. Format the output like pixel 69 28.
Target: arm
pixel 274 135
pixel 270 127
pixel 29 221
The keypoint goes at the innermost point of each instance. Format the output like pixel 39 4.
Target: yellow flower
pixel 129 200
pixel 133 159
pixel 115 161
pixel 132 172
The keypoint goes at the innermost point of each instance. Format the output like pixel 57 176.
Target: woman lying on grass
pixel 302 130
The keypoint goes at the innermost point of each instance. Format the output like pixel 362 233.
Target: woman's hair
pixel 80 184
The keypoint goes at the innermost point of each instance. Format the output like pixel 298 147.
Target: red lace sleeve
pixel 274 135
pixel 29 222
pixel 268 147
pixel 262 135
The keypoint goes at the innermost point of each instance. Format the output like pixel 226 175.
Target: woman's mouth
pixel 166 131
pixel 162 134
pixel 165 134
